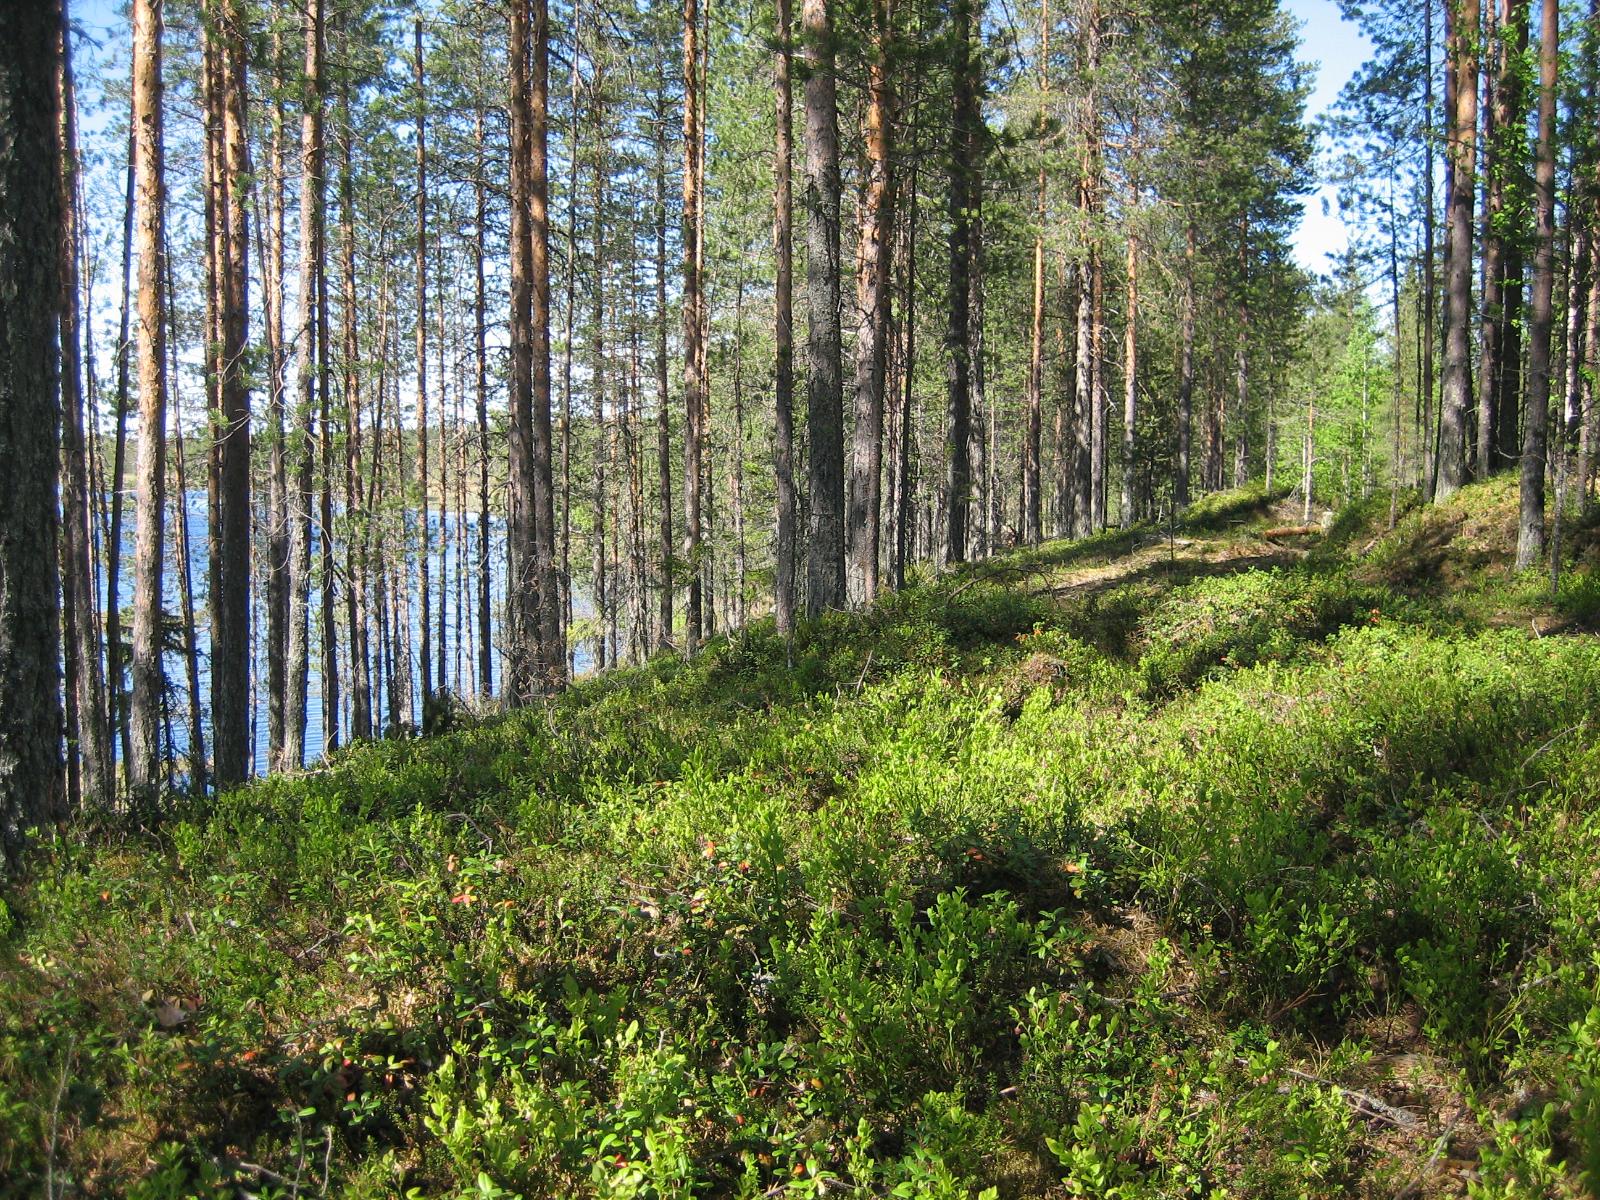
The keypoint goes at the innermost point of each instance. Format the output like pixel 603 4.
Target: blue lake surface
pixel 445 563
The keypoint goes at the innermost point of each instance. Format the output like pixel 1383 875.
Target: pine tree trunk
pixel 736 482
pixel 982 414
pixel 32 785
pixel 569 316
pixel 144 767
pixel 903 531
pixel 865 492
pixel 1457 399
pixel 1033 429
pixel 1180 483
pixel 664 547
pixel 359 515
pixel 1530 521
pixel 1589 431
pixel 958 405
pixel 199 775
pixel 1497 116
pixel 424 532
pixel 783 599
pixel 1065 424
pixel 824 396
pixel 550 655
pixel 229 585
pixel 1093 186
pixel 480 359
pixel 278 485
pixel 330 627
pixel 693 328
pixel 638 578
pixel 77 508
pixel 440 649
pixel 1129 510
pixel 522 581
pixel 1508 336
pixel 598 371
pixel 708 494
pixel 1083 402
pixel 116 656
pixel 1427 454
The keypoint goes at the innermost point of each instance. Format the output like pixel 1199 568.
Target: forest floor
pixel 1220 860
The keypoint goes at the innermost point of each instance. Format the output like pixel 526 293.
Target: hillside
pixel 1189 862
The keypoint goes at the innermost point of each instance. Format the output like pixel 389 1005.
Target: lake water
pixel 445 562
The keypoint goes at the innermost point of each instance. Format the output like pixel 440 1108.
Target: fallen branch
pixel 1364 1102
pixel 1284 531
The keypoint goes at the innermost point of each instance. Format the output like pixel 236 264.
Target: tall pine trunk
pixel 693 329
pixel 664 546
pixel 550 655
pixel 1456 401
pixel 1530 521
pixel 144 767
pixel 522 581
pixel 32 786
pixel 783 599
pixel 77 508
pixel 958 336
pixel 480 361
pixel 824 396
pixel 865 493
pixel 1182 469
pixel 229 585
pixel 424 533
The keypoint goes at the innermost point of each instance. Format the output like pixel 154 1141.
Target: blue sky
pixel 1335 48
pixel 1331 45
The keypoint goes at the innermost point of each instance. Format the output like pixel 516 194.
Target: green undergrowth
pixel 1212 878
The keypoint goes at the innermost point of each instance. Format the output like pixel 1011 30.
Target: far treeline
pixel 426 296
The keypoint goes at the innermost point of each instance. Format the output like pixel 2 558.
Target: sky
pixel 1335 48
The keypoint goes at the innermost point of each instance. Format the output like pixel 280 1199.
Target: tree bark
pixel 663 397
pixel 425 534
pixel 1456 401
pixel 1180 483
pixel 1033 428
pixel 736 470
pixel 783 599
pixel 908 368
pixel 1530 520
pixel 300 447
pixel 272 252
pixel 958 408
pixel 116 706
pixel 522 582
pixel 1129 509
pixel 77 508
pixel 824 398
pixel 1427 451
pixel 228 593
pixel 552 660
pixel 32 785
pixel 1508 337
pixel 865 494
pixel 144 767
pixel 199 775
pixel 693 329
pixel 598 371
pixel 481 401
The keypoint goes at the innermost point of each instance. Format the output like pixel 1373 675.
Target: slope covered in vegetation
pixel 1169 863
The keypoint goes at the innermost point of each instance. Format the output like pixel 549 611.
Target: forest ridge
pixel 475 288
pixel 754 600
